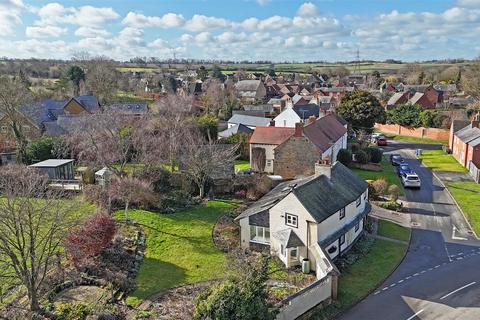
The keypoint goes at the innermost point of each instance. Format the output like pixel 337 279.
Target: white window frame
pixel 293 220
pixel 342 213
pixel 269 163
pixel 296 253
pixel 358 202
pixel 357 226
pixel 260 235
pixel 340 239
pixel 365 195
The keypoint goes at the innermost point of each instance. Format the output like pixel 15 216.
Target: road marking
pixel 408 277
pixel 386 288
pixel 393 285
pixel 437 266
pixel 400 281
pixel 454 228
pixel 455 291
pixel 416 314
pixel 422 271
pixel 377 292
pixel 416 274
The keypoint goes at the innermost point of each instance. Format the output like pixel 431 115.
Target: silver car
pixel 411 180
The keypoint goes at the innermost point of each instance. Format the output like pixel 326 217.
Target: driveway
pixel 439 277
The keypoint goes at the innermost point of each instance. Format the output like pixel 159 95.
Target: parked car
pixel 375 136
pixel 396 159
pixel 403 168
pixel 381 142
pixel 411 180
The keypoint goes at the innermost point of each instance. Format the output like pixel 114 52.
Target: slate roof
pixel 247 85
pixel 238 128
pixel 307 110
pixel 288 238
pixel 90 103
pixel 260 107
pixel 469 135
pixel 129 108
pixel 340 119
pixel 325 131
pixel 43 111
pixel 459 124
pixel 250 121
pixel 271 135
pixel 321 196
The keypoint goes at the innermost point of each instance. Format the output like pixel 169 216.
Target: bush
pixel 362 157
pixel 345 157
pixel 380 186
pixel 375 154
pixel 354 147
pixel 159 177
pixel 72 311
pixel 259 186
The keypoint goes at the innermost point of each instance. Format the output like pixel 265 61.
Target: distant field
pixel 135 69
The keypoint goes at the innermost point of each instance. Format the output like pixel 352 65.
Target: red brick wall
pixel 429 133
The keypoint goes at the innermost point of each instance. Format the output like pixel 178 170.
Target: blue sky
pixel 277 30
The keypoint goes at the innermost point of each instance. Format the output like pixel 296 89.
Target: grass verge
pixel 414 139
pixel 467 194
pixel 439 160
pixel 388 172
pixel 364 276
pixel 242 165
pixel 180 249
pixel 394 231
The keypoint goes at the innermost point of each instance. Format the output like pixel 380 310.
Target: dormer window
pixel 291 220
pixel 342 213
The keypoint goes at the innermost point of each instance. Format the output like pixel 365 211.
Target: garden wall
pixel 429 133
pixel 306 299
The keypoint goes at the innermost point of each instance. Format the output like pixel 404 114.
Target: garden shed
pixel 56 169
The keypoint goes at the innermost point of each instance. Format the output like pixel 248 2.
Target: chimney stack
pixel 298 129
pixel 475 120
pixel 272 123
pixel 311 119
pixel 324 167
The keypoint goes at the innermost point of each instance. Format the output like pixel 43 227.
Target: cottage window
pixel 291 220
pixel 357 226
pixel 342 239
pixel 342 213
pixel 358 202
pixel 294 253
pixel 269 163
pixel 365 196
pixel 259 234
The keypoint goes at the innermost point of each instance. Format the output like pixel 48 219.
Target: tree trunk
pixel 21 144
pixel 32 295
pixel 202 190
pixel 126 211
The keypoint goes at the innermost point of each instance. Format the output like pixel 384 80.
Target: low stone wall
pixel 428 133
pixel 301 302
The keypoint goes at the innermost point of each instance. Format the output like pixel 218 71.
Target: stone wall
pixel 294 157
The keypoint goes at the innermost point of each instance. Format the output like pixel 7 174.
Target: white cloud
pixel 468 3
pixel 88 32
pixel 203 38
pixel 169 20
pixel 308 9
pixel 88 16
pixel 186 37
pixel 263 2
pixel 201 23
pixel 10 16
pixel 45 31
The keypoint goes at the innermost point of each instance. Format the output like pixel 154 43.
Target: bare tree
pixel 33 222
pixel 104 139
pixel 14 94
pixel 102 79
pixel 203 160
pixel 471 80
pixel 130 190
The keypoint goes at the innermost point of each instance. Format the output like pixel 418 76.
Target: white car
pixel 411 180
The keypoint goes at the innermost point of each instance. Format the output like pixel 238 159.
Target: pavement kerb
pixel 337 316
pixel 454 200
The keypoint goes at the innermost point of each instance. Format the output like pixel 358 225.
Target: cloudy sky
pixel 276 30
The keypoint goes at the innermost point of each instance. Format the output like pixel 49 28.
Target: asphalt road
pixel 440 275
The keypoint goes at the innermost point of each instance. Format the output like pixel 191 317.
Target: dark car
pixel 381 142
pixel 403 168
pixel 396 159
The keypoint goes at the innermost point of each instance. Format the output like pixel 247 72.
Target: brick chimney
pixel 298 129
pixel 324 167
pixel 475 120
pixel 312 119
pixel 272 123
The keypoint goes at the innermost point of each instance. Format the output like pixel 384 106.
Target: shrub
pixel 354 147
pixel 375 154
pixel 380 186
pixel 72 311
pixel 362 157
pixel 159 178
pixel 393 191
pixel 344 156
pixel 259 186
pixel 96 194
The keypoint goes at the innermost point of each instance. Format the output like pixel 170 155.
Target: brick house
pixel 466 144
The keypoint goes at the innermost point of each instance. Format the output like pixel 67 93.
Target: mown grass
pixel 180 248
pixel 415 139
pixel 439 160
pixel 467 194
pixel 364 276
pixel 242 165
pixel 393 231
pixel 388 173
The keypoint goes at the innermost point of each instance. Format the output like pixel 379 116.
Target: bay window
pixel 260 234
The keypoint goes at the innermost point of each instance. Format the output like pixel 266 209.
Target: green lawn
pixel 242 165
pixel 394 231
pixel 467 195
pixel 388 172
pixel 414 139
pixel 439 160
pixel 180 248
pixel 363 276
